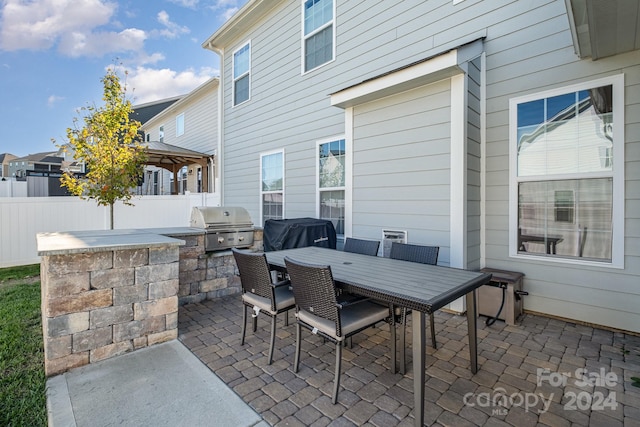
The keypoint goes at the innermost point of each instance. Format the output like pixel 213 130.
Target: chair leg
pixel 403 344
pixel 433 332
pixel 255 324
pixel 336 381
pixel 286 318
pixel 244 323
pixel 296 360
pixel 392 329
pixel 273 338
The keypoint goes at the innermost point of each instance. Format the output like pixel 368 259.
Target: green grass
pixel 21 272
pixel 22 379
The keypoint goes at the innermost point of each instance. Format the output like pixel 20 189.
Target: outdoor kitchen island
pixel 109 292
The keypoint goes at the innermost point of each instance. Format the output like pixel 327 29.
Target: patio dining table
pixel 422 288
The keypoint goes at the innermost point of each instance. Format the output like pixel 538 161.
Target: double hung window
pixel 567 158
pixel 180 124
pixel 318 33
pixel 331 182
pixel 272 185
pixel 241 74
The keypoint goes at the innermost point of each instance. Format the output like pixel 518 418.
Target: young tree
pixel 109 146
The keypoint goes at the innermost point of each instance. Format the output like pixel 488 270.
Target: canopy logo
pixel 499 401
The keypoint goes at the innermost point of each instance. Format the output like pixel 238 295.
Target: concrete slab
pixel 162 385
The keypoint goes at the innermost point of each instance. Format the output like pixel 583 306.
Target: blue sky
pixel 53 54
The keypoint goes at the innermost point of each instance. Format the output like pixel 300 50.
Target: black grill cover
pixel 297 233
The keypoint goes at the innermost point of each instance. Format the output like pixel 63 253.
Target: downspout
pixel 220 151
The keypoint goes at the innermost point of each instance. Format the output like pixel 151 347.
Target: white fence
pixel 21 218
pixel 12 188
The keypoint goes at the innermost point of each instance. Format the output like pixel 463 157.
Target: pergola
pixel 173 158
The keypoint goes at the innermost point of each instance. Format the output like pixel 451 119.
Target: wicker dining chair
pixel 260 294
pixel 361 246
pixel 423 255
pixel 318 310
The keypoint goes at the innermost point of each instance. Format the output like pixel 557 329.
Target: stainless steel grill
pixel 226 227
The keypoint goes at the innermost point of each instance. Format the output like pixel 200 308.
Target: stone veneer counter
pixel 107 292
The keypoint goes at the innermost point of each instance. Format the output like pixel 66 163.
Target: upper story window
pixel 331 182
pixel 161 133
pixel 180 124
pixel 241 74
pixel 272 185
pixel 567 160
pixel 318 33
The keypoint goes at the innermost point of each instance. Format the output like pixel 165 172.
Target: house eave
pixel 182 101
pixel 603 28
pixel 420 73
pixel 238 24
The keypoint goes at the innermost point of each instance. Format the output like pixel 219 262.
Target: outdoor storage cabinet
pixel 490 296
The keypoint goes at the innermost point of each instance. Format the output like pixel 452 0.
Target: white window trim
pixel 303 38
pixel 617 246
pixel 183 125
pixel 347 178
pixel 161 133
pixel 233 78
pixel 261 192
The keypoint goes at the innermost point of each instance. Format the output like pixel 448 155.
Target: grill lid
pixel 219 217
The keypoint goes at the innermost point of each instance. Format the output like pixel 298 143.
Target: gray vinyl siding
pixel 200 125
pixel 528 49
pixel 401 173
pixel 200 122
pixel 517 64
pixel 474 165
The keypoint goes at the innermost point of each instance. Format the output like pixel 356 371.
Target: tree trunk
pixel 111 214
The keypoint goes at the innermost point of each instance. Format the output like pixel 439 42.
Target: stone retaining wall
pixel 98 305
pixel 208 275
pixel 109 293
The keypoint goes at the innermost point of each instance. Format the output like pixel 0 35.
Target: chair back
pixel 415 253
pixel 582 238
pixel 361 246
pixel 314 290
pixel 255 275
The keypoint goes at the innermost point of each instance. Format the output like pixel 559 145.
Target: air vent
pixel 390 236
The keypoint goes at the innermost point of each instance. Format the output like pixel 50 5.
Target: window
pixel 331 182
pixel 180 124
pixel 241 74
pixel 567 169
pixel 155 182
pixel 161 134
pixel 318 35
pixel 563 205
pixel 272 185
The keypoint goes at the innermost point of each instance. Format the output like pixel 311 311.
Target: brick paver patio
pixel 540 372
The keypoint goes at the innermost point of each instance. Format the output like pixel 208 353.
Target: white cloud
pixel 151 84
pixel 77 44
pixel 171 30
pixel 39 24
pixel 53 99
pixel 186 3
pixel 227 8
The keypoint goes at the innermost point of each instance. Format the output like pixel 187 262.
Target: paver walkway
pixel 540 372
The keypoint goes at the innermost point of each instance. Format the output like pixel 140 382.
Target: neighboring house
pixel 42 173
pixel 5 158
pixel 415 116
pixel 155 180
pixel 35 164
pixel 184 136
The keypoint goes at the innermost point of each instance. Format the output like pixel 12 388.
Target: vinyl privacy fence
pixel 21 218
